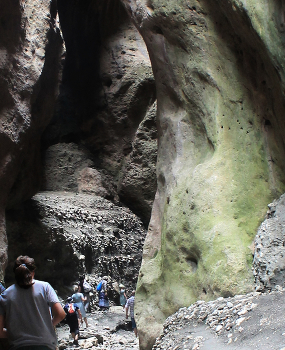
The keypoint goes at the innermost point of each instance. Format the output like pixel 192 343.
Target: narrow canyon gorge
pixel 144 140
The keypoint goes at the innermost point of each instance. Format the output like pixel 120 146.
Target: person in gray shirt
pixel 29 310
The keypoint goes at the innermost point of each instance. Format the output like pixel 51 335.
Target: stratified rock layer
pixel 68 234
pixel 219 71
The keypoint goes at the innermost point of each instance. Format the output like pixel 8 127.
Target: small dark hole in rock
pixel 157 30
pixel 267 122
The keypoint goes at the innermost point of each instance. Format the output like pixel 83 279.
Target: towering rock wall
pixel 91 151
pixel 107 101
pixel 219 71
pixel 30 49
pixel 219 83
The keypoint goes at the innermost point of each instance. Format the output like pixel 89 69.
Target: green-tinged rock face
pixel 219 75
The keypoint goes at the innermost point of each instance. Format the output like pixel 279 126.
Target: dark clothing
pixel 2 288
pixel 71 317
pixel 133 323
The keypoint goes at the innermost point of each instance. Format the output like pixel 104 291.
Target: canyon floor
pixel 243 322
pixel 109 327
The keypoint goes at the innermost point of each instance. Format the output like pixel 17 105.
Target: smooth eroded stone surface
pixel 219 70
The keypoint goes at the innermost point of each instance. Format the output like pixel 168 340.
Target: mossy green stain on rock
pixel 228 200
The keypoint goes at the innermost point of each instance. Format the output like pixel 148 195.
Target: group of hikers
pixel 30 309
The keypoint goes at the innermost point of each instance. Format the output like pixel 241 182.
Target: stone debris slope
pixel 80 232
pixel 244 322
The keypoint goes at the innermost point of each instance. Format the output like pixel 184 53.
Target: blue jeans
pixel 133 323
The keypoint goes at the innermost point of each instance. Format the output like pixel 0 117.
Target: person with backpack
pixel 72 309
pixel 102 289
pixel 29 310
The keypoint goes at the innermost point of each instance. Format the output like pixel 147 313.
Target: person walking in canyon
pixel 79 299
pixel 130 305
pixel 103 294
pixel 85 289
pixel 123 297
pixel 29 309
pixel 71 310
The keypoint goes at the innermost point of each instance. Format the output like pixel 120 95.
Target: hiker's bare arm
pixel 57 313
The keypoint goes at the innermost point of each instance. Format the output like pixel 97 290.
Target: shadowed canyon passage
pixel 95 153
pixel 119 117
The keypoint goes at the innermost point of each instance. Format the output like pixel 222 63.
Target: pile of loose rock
pixel 269 262
pixel 222 316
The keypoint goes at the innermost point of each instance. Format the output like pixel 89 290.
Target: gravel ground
pixel 109 327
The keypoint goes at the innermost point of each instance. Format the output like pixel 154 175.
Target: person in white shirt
pixel 130 305
pixel 29 309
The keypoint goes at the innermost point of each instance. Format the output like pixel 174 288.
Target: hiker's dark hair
pixel 23 268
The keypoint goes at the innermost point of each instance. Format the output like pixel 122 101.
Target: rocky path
pixel 106 330
pixel 243 322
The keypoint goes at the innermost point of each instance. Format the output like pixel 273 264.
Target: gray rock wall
pixel 107 101
pixel 269 259
pixel 219 83
pixel 103 131
pixel 30 50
